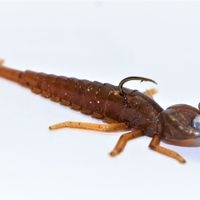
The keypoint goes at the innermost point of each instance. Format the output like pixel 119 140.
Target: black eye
pixel 196 122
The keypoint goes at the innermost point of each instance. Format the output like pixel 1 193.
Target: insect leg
pixel 155 145
pixel 151 92
pixel 90 126
pixel 123 141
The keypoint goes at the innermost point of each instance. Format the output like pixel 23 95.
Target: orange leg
pixel 123 141
pixel 155 145
pixel 90 126
pixel 151 92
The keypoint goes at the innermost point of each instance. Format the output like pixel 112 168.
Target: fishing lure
pixel 121 108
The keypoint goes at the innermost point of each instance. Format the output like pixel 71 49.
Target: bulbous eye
pixel 196 122
pixel 180 122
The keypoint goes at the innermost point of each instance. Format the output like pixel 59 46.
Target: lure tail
pixel 39 83
pixel 78 94
pixel 10 74
pixel 93 98
pixel 27 78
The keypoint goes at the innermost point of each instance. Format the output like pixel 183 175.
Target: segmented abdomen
pixel 89 97
pixel 99 100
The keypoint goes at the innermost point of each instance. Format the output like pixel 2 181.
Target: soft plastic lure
pixel 121 108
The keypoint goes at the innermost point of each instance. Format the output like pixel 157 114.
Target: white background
pixel 102 41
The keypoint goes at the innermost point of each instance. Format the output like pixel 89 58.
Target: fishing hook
pixel 120 87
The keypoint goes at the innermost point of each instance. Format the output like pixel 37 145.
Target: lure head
pixel 180 125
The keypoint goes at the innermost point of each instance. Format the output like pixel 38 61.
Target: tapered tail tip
pixel 1 61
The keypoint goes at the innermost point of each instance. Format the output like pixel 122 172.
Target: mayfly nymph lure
pixel 121 108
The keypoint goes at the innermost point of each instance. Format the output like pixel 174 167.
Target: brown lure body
pixel 137 112
pixel 99 100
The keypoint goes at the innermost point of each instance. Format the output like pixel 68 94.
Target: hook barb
pixel 137 78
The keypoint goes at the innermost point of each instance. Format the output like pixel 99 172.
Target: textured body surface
pixel 99 100
pixel 129 109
